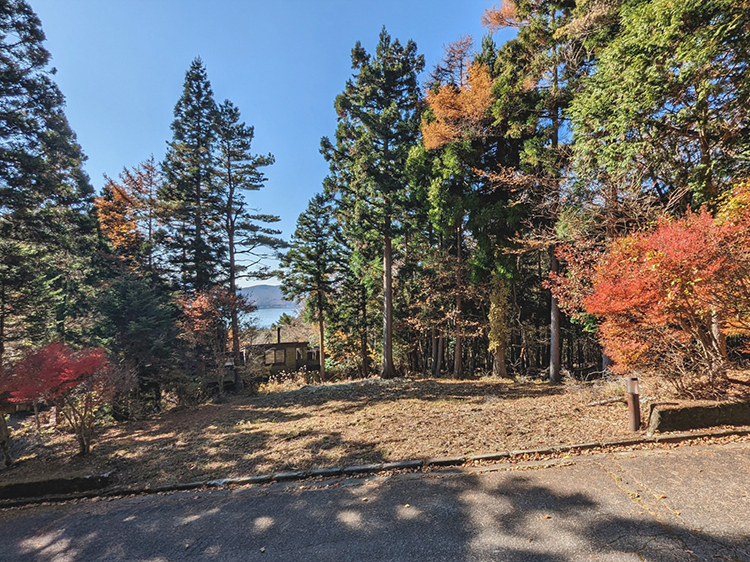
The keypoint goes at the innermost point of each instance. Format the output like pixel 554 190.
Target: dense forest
pixel 571 200
pixel 490 218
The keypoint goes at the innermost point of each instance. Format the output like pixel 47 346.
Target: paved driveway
pixel 686 503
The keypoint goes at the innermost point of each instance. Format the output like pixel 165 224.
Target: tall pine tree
pixel 537 75
pixel 378 125
pixel 45 197
pixel 245 233
pixel 313 263
pixel 191 194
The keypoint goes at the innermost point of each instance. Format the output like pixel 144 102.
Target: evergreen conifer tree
pixel 45 197
pixel 191 194
pixel 378 125
pixel 663 119
pixel 538 72
pixel 313 263
pixel 244 233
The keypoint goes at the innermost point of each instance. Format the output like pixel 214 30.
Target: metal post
pixel 634 404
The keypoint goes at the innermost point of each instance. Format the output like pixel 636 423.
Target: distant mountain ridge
pixel 266 296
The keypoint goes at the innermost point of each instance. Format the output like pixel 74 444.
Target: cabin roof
pixel 284 344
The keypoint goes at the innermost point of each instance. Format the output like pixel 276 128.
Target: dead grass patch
pixel 360 422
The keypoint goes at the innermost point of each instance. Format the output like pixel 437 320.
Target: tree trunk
pixel 554 266
pixel 458 355
pixel 434 341
pixel 2 323
pixel 84 443
pixel 5 440
pixel 498 362
pixel 439 364
pixel 554 338
pixel 235 321
pixel 37 422
pixel 230 226
pixel 458 352
pixel 236 351
pixel 498 318
pixel 84 440
pixel 363 351
pixel 719 339
pixel 321 335
pixel 388 371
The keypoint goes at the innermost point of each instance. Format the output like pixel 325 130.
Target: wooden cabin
pixel 286 356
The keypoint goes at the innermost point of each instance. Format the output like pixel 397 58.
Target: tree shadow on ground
pixel 196 442
pixel 508 517
pixel 241 453
pixel 232 439
pixel 290 430
pixel 353 395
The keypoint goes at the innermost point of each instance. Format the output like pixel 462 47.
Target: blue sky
pixel 121 66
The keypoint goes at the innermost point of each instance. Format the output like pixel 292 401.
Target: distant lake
pixel 264 317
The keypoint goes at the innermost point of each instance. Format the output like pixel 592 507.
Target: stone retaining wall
pixel 674 417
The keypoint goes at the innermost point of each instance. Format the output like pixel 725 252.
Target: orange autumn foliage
pixel 498 17
pixel 668 296
pixel 733 217
pixel 459 111
pixel 127 211
pixel 206 317
pixel 117 212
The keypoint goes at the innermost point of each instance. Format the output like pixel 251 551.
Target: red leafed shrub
pixel 74 380
pixel 669 296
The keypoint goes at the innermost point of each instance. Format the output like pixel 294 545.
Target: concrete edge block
pixel 445 461
pixel 362 469
pixel 289 475
pixel 332 471
pixel 490 456
pixel 401 465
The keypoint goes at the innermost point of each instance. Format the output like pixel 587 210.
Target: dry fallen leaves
pixel 355 423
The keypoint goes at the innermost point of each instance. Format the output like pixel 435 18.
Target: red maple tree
pixel 73 380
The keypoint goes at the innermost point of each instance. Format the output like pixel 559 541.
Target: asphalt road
pixel 687 503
